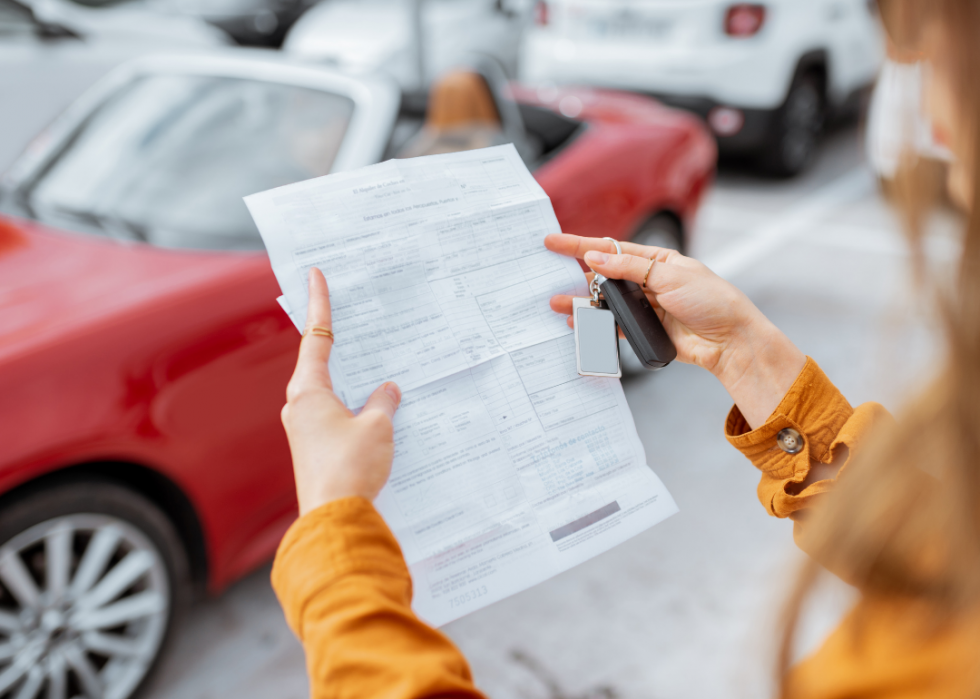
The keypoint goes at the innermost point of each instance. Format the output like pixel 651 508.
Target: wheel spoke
pixel 111 644
pixel 142 605
pixel 124 574
pixel 12 674
pixel 7 650
pixel 97 555
pixel 32 684
pixel 98 625
pixel 57 677
pixel 57 559
pixel 87 675
pixel 18 580
pixel 9 622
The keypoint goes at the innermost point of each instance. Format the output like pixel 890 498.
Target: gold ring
pixel 652 260
pixel 320 331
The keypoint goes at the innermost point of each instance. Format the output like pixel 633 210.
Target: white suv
pixel 764 75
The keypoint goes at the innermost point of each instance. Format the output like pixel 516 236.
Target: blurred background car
pixel 143 357
pixel 248 22
pixel 47 60
pixel 765 76
pixel 133 21
pixel 414 41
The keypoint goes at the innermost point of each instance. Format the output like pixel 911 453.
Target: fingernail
pixel 393 392
pixel 599 258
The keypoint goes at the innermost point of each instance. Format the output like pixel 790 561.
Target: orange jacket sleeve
pixel 816 409
pixel 343 584
pixel 879 651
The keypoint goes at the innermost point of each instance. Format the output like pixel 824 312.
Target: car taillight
pixel 541 13
pixel 744 20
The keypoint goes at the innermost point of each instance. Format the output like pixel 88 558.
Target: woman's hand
pixel 711 323
pixel 335 454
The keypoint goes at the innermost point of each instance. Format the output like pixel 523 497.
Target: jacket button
pixel 790 441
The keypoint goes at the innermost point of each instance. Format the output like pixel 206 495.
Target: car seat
pixel 462 115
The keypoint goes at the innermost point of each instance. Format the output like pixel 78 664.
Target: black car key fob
pixel 638 321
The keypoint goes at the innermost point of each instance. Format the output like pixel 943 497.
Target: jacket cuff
pixel 813 407
pixel 341 538
pixel 820 414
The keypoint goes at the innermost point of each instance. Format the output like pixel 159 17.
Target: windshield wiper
pixel 114 226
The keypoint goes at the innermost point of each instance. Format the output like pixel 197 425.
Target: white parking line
pixel 734 259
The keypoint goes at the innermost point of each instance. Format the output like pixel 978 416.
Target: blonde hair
pixel 904 519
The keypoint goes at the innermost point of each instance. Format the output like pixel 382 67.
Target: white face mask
pixel 898 121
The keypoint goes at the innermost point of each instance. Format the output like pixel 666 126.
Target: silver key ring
pixel 619 250
pixel 598 278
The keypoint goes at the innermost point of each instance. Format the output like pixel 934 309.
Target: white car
pixel 45 64
pixel 132 22
pixel 765 76
pixel 384 35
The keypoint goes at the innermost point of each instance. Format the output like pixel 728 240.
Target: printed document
pixel 509 467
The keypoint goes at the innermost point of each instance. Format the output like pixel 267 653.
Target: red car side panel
pixel 173 360
pixel 636 158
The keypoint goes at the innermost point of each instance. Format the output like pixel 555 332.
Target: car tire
pixel 797 125
pixel 92 575
pixel 662 231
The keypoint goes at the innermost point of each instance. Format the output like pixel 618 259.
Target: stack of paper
pixel 509 466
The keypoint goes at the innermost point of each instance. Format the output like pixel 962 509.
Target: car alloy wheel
pixel 84 608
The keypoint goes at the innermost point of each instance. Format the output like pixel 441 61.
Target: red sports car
pixel 143 357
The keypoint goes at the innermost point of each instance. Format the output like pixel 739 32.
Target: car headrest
pixel 461 98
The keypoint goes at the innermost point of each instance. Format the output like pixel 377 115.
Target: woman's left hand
pixel 711 323
pixel 335 453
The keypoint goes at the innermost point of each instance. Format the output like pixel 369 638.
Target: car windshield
pixel 168 159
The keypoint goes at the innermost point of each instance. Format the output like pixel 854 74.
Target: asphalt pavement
pixel 691 607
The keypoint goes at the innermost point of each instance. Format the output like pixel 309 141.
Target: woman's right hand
pixel 335 453
pixel 711 323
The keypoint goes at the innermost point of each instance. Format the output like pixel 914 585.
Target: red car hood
pixel 54 284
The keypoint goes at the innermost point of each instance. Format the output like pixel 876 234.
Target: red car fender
pixel 156 383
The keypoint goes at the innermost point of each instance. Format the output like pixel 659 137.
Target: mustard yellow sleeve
pixel 888 648
pixel 816 409
pixel 346 592
pixel 892 648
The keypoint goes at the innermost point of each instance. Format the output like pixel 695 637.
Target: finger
pixel 629 267
pixel 385 399
pixel 314 350
pixel 562 303
pixel 577 246
pixel 318 311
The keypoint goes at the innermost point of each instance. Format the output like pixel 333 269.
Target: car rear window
pixel 168 159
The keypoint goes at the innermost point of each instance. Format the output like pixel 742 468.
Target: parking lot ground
pixel 690 608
